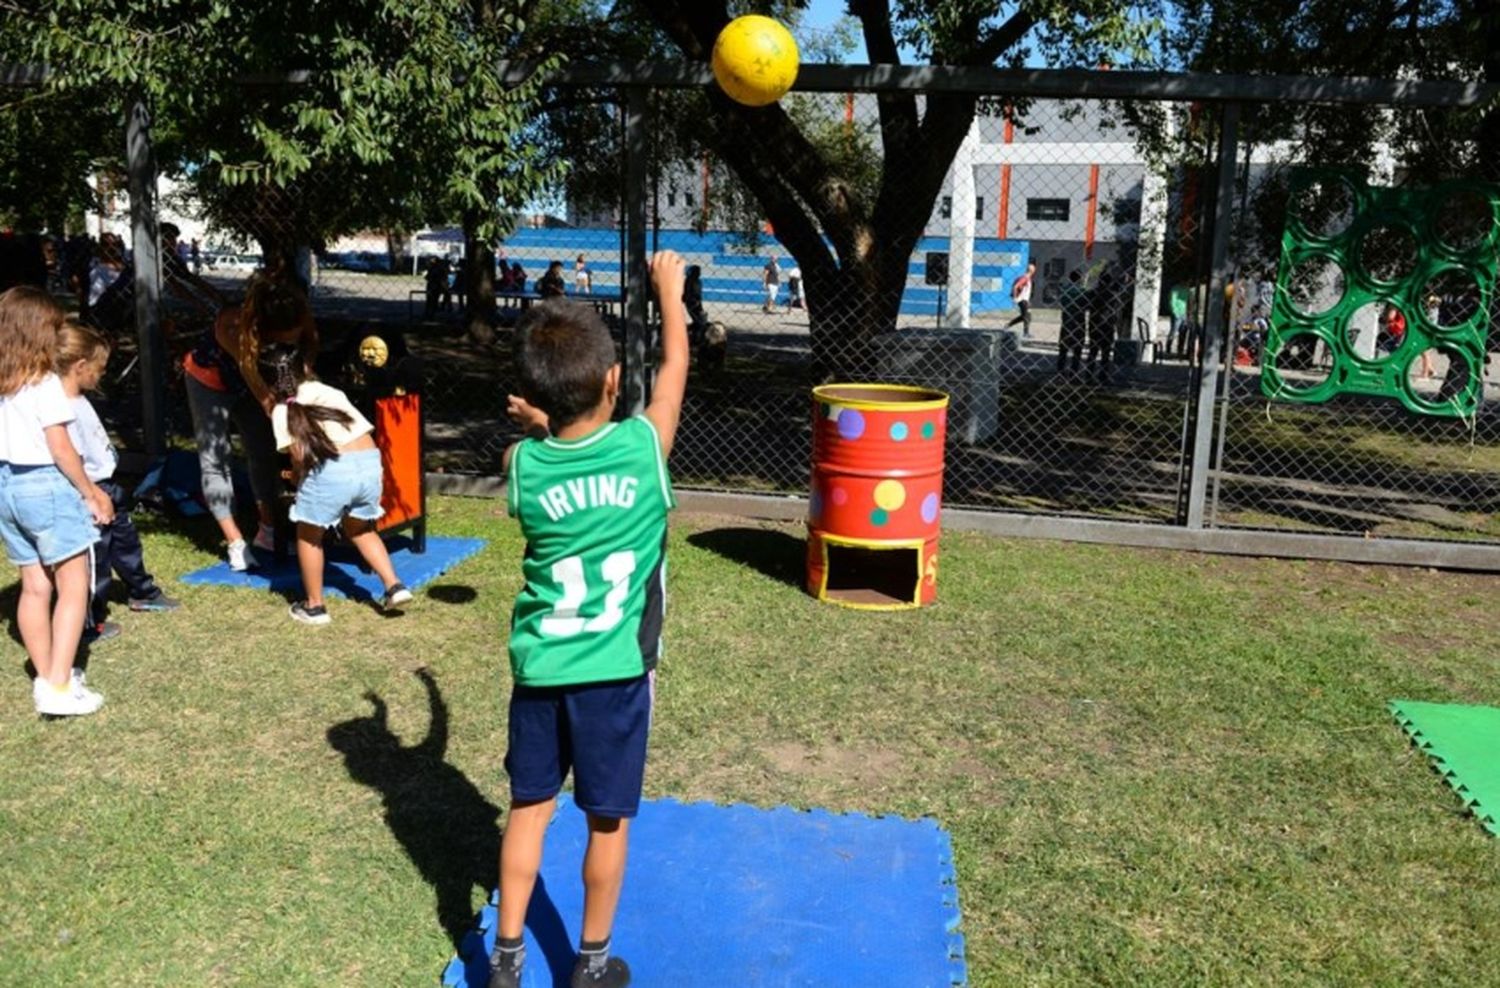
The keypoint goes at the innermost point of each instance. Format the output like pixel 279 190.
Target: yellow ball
pixel 755 60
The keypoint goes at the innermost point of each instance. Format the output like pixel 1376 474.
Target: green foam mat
pixel 1464 745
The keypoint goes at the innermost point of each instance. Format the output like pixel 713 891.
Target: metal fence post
pixel 1214 323
pixel 637 295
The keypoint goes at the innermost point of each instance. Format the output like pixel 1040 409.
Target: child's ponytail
pixel 280 367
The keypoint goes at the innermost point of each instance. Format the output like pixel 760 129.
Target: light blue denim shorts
pixel 43 518
pixel 347 485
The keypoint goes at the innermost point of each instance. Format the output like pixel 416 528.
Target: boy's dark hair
pixel 281 368
pixel 563 352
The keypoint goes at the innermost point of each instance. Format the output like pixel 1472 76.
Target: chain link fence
pixel 1084 402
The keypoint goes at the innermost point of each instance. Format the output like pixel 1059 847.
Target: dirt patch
pixel 861 766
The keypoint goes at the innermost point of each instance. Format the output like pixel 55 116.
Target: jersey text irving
pixel 595 491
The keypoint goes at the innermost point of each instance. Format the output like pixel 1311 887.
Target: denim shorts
pixel 347 485
pixel 43 518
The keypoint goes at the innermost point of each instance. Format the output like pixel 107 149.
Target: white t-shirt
pixel 92 441
pixel 1021 292
pixel 318 393
pixel 23 417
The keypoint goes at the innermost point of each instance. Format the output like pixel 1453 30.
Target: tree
pixel 854 244
pixel 298 122
pixel 1456 40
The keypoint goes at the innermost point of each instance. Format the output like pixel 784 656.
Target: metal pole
pixel 1214 323
pixel 637 333
pixel 141 166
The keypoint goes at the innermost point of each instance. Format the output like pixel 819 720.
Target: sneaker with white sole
pixel 240 556
pixel 158 601
pixel 309 615
pixel 73 700
pixel 396 595
pixel 93 634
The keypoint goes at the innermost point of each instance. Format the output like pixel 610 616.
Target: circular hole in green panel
pixel 1303 362
pixel 1388 253
pixel 1451 299
pixel 1316 284
pixel 1376 330
pixel 1324 206
pixel 1438 374
pixel 1464 219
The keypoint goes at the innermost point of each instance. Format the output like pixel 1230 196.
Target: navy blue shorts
pixel 598 730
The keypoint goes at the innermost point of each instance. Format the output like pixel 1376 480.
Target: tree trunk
pixel 479 285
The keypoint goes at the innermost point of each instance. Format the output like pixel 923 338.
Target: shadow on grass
pixel 442 821
pixel 771 553
pixel 453 593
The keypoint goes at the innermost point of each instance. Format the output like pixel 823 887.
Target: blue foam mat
pixel 749 897
pixel 345 575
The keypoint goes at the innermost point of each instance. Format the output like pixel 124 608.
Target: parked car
pixel 231 262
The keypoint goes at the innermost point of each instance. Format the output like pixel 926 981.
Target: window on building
pixel 671 197
pixel 687 198
pixel 1054 268
pixel 1047 210
pixel 947 208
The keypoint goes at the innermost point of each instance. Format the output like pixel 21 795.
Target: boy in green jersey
pixel 592 497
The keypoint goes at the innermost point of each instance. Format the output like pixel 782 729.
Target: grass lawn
pixel 1157 768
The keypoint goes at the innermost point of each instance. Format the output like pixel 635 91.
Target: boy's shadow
pixel 445 825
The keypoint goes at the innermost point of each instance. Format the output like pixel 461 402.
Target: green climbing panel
pixel 1354 254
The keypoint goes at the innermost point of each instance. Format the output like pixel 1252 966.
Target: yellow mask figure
pixel 373 351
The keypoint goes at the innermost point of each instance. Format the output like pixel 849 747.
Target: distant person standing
pixel 1020 293
pixel 583 279
pixel 551 284
pixel 1177 332
pixel 436 286
pixel 794 289
pixel 1073 301
pixel 196 254
pixel 1104 318
pixel 771 278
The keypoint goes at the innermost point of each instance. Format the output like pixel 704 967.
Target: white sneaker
pixel 75 700
pixel 80 678
pixel 240 556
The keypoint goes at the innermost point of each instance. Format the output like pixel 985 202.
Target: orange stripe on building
pixel 1088 231
pixel 1002 225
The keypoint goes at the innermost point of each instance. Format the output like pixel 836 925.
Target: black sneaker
pixel 156 602
pixel 101 632
pixel 504 977
pixel 614 974
pixel 309 615
pixel 396 597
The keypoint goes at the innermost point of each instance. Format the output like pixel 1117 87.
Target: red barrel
pixel 877 490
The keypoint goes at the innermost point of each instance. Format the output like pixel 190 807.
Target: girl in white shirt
pixel 337 467
pixel 49 508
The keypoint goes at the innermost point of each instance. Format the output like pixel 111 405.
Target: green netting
pixel 1349 250
pixel 1464 745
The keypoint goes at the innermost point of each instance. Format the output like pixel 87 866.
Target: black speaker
pixel 937 267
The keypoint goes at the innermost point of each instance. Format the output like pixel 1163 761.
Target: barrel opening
pixel 867 575
pixel 894 396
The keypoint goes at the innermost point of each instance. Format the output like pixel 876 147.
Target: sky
pixel 823 13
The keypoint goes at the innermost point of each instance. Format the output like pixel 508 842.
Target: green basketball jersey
pixel 594 513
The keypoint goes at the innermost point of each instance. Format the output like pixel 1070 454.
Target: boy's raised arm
pixel 667 276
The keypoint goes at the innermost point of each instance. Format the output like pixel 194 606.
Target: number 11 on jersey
pixel 565 621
